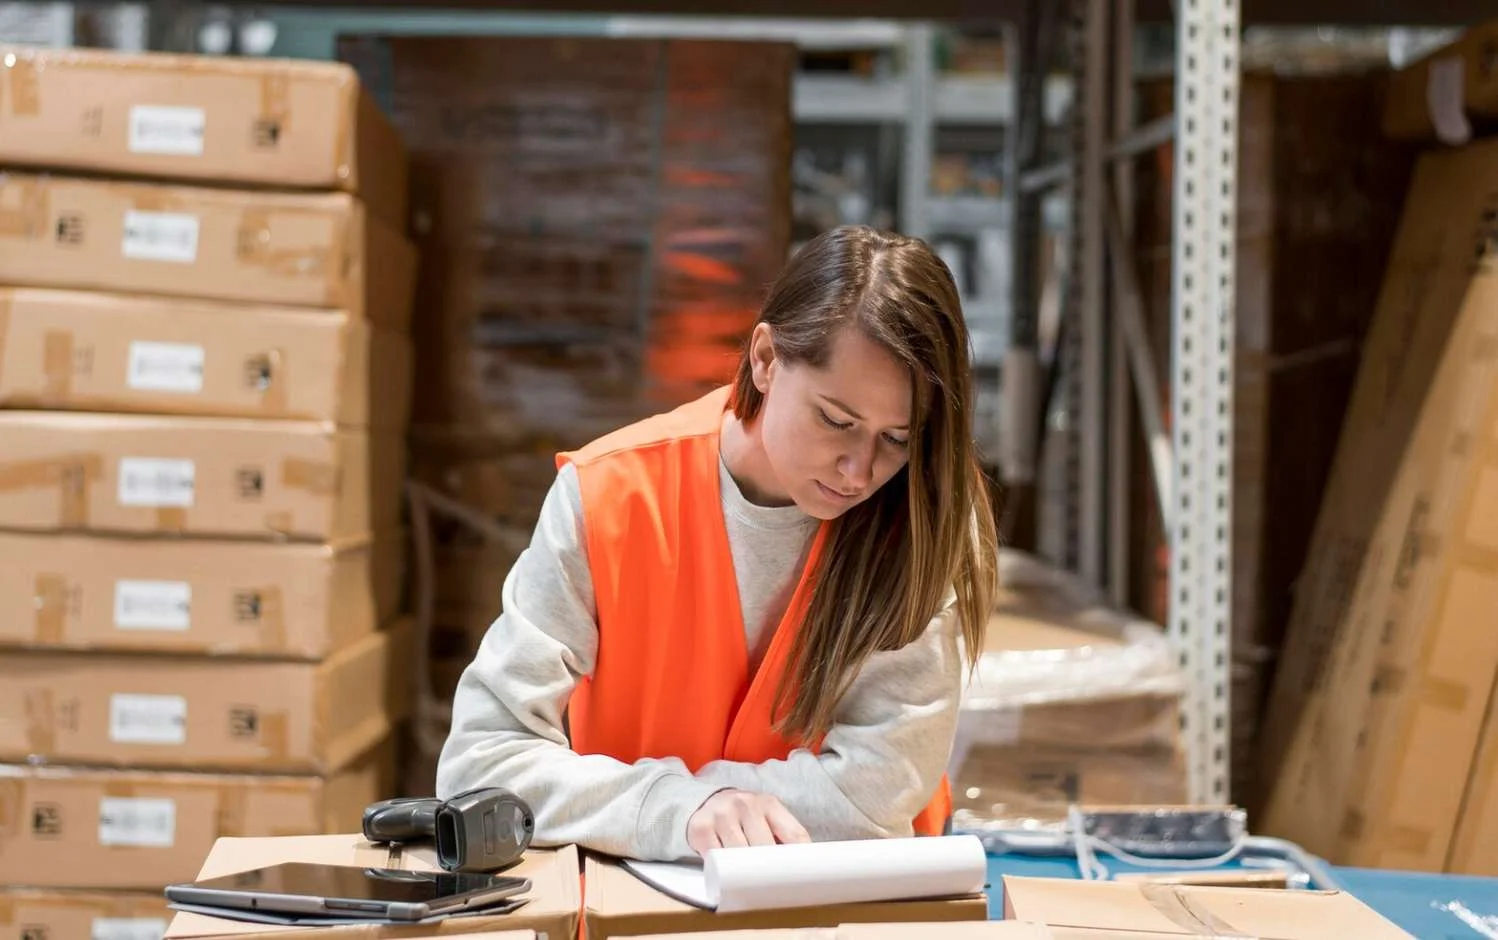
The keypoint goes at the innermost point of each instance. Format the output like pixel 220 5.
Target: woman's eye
pixel 898 442
pixel 827 420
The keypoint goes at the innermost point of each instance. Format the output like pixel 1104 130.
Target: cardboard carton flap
pixel 963 930
pixel 1189 911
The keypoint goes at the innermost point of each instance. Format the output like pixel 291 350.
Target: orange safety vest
pixel 672 677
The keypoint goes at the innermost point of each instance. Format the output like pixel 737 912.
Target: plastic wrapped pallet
pixel 1072 701
pixel 598 220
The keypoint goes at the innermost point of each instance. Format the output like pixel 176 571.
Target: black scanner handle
pixel 405 819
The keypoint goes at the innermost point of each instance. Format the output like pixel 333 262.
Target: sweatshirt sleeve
pixel 507 712
pixel 883 758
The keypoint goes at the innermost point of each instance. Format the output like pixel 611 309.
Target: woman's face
pixel 833 435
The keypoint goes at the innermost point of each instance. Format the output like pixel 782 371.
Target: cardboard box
pixel 197 476
pixel 990 930
pixel 1109 909
pixel 1460 80
pixel 111 352
pixel 203 714
pixel 620 905
pixel 1475 848
pixel 278 123
pixel 1391 657
pixel 316 250
pixel 551 911
pixel 142 830
pixel 65 915
pixel 294 600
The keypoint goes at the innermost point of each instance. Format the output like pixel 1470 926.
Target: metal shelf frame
pixel 1103 354
pixel 1103 344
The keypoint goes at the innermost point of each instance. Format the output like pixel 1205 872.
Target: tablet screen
pixel 359 884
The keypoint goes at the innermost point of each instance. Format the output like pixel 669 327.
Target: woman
pixel 737 623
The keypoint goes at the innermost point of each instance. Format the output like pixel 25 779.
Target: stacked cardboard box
pixel 598 220
pixel 204 374
pixel 1381 736
pixel 1072 701
pixel 1314 226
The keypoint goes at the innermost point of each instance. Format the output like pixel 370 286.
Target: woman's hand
pixel 732 818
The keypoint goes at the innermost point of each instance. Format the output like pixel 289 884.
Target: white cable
pixel 1092 869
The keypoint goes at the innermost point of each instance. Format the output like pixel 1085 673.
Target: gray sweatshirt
pixel 878 767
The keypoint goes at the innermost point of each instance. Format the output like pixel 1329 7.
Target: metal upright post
pixel 1203 255
pixel 1085 381
pixel 1119 450
pixel 920 131
pixel 1034 38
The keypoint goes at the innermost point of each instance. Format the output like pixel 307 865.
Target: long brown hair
pixel 889 561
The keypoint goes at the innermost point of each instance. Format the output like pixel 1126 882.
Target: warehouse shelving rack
pixel 1105 366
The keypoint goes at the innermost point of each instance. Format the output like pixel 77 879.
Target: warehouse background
pixel 291 331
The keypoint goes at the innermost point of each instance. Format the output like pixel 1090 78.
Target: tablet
pixel 344 890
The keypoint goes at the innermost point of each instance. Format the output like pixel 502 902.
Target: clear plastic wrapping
pixel 1072 701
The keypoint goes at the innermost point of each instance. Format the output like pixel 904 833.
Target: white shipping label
pixel 156 481
pixel 128 928
pixel 147 719
pixel 152 605
pixel 160 236
pixel 166 130
pixel 165 367
pixel 142 822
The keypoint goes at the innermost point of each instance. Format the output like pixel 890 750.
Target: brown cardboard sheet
pixel 1390 660
pixel 1110 909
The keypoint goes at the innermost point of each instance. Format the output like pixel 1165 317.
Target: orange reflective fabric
pixel 672 677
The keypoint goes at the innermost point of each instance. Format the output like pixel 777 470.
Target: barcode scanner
pixel 484 829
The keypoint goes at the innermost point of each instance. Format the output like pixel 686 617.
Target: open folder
pixel 819 873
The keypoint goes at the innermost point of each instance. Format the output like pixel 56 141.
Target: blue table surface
pixel 1410 899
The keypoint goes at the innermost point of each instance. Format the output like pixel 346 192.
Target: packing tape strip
pixel 275 735
pixel 5 303
pixel 25 95
pixel 171 519
pixel 233 810
pixel 275 100
pixel 51 601
pixel 41 722
pixel 71 474
pixel 315 476
pixel 115 785
pixel 272 620
pixel 7 909
pixel 273 393
pixel 24 207
pixel 57 364
pixel 151 198
pixel 256 249
pixel 14 813
pixel 1176 905
pixel 281 522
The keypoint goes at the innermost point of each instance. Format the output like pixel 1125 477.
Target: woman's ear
pixel 762 356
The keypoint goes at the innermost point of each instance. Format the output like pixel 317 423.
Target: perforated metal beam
pixel 1204 264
